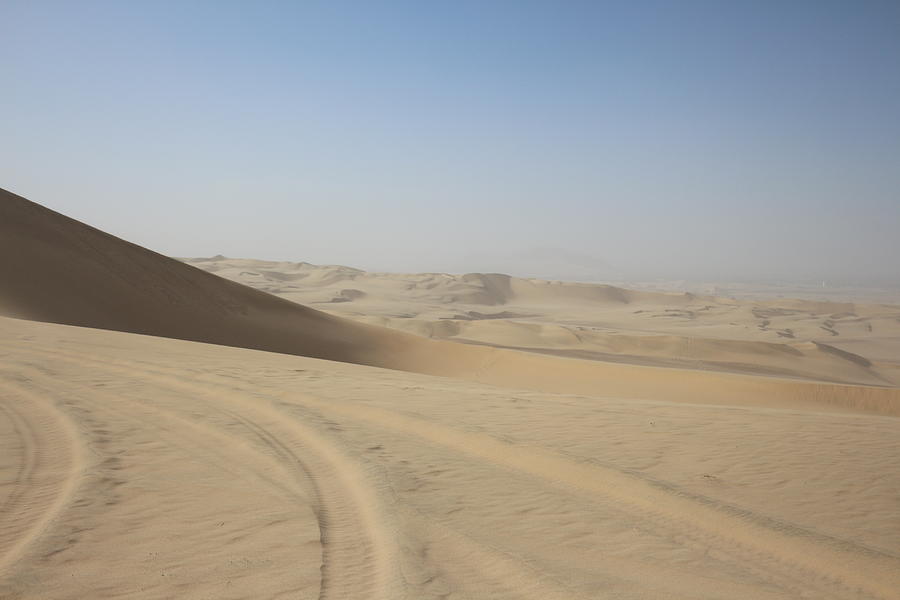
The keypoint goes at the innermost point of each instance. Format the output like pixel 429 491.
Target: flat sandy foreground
pixel 143 467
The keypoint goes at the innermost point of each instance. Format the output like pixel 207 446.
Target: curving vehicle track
pixel 150 468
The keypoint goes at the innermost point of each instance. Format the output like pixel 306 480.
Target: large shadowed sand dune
pixel 59 270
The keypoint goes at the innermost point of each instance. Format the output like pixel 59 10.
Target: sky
pixel 725 141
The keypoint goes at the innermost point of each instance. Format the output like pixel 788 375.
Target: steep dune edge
pixel 59 270
pixel 56 269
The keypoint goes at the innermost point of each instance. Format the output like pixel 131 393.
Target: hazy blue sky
pixel 705 140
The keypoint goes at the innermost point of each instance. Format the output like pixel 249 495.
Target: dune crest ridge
pixel 60 270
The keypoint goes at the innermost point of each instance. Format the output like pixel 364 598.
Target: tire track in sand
pixel 50 464
pixel 794 557
pixel 358 557
pixel 773 545
pixel 486 569
pixel 359 553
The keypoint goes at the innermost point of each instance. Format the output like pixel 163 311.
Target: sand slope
pixel 143 467
pixel 59 270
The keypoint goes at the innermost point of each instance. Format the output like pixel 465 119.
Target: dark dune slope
pixel 59 270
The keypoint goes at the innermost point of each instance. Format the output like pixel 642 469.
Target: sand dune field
pixel 169 433
pixel 835 341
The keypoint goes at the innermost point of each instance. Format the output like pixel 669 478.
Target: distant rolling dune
pixel 56 269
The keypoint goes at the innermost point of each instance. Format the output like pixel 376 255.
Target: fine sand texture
pixel 169 433
pixel 143 467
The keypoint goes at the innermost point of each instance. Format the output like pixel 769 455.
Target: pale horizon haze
pixel 590 140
